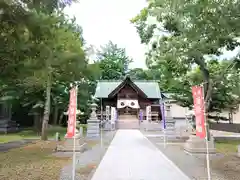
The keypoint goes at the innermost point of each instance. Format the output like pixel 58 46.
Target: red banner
pixel 72 110
pixel 198 100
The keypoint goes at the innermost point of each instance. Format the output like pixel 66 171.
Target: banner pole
pixel 162 109
pixel 206 138
pixel 101 136
pixel 164 138
pixel 74 158
pixel 74 142
pixel 101 124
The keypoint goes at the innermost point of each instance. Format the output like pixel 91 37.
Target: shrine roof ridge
pixel 149 87
pixel 113 80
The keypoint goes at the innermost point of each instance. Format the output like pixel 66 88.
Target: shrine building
pixel 130 98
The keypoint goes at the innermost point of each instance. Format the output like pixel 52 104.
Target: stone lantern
pixel 93 129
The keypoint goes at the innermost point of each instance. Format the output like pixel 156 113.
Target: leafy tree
pixel 42 52
pixel 138 74
pixel 144 74
pixel 190 31
pixel 225 94
pixel 113 61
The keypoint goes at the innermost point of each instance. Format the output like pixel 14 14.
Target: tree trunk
pixel 46 108
pixel 207 86
pixel 207 83
pixel 37 123
pixel 55 115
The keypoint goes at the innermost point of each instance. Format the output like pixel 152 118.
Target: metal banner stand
pixel 101 129
pixel 101 138
pixel 74 142
pixel 164 138
pixel 164 122
pixel 206 138
pixel 74 157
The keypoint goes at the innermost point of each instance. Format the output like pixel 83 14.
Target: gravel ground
pixel 88 160
pixel 194 166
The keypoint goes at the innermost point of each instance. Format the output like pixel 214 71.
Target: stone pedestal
pixel 7 126
pixel 93 130
pixel 197 145
pixel 67 146
pixel 107 126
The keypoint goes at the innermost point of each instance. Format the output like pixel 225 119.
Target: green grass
pixel 31 134
pixel 227 146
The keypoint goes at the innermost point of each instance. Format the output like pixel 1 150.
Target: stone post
pixel 107 125
pixel 93 130
pixel 81 131
pixel 148 118
pixel 170 122
pixel 113 118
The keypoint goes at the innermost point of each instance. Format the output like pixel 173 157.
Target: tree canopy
pixel 41 54
pixel 182 34
pixel 113 61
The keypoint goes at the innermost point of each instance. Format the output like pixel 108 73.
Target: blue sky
pixel 104 20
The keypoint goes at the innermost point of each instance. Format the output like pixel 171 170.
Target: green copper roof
pixel 150 88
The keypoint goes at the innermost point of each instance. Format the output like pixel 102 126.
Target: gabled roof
pixel 150 88
pixel 127 80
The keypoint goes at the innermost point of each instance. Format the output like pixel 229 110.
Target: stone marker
pixel 107 124
pixel 81 131
pixel 93 130
pixel 57 136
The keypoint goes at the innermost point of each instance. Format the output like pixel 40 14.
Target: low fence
pixel 225 127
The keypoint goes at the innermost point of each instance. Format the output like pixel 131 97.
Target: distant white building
pixel 179 112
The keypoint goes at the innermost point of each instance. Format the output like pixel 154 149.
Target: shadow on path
pixel 15 144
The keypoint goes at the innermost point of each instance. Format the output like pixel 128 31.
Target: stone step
pixel 127 117
pixel 128 124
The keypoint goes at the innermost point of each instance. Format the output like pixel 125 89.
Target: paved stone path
pixel 131 156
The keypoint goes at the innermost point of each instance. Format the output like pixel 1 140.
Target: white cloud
pixel 104 20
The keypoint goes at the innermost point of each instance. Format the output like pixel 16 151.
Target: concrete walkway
pixel 131 156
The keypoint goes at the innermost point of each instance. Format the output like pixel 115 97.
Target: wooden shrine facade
pixel 129 97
